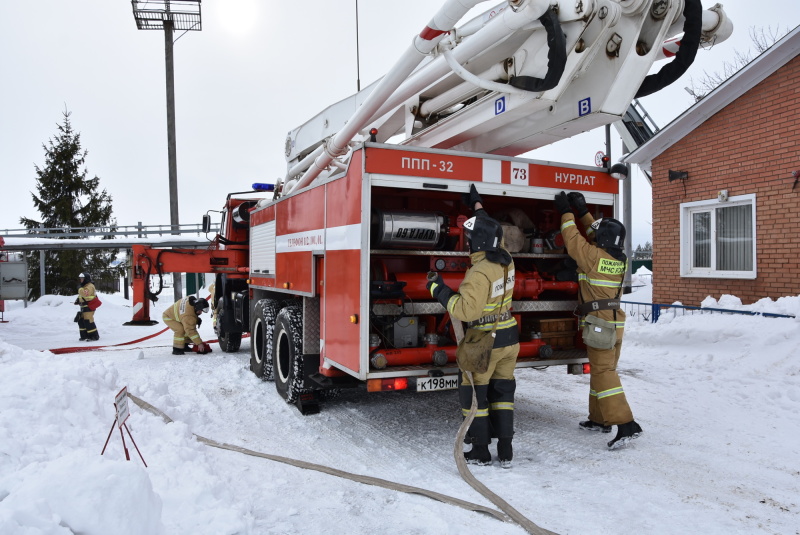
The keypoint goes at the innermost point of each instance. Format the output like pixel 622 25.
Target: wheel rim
pixel 283 357
pixel 258 340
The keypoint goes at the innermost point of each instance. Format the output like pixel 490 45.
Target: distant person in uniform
pixel 601 270
pixel 183 318
pixel 87 294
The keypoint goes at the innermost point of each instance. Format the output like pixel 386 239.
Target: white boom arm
pixel 523 75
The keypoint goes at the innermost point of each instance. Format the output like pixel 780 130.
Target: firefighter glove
pixel 562 203
pixel 578 202
pixel 439 290
pixel 472 197
pixel 199 321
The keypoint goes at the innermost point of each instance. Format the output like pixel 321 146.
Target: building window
pixel 718 239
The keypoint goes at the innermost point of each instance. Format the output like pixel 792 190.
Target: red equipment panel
pixel 299 231
pixel 342 299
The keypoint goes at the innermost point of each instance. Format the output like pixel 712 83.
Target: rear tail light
pixel 579 369
pixel 386 385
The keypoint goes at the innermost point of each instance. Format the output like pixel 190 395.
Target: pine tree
pixel 68 199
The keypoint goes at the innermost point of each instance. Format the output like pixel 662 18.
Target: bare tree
pixel 761 40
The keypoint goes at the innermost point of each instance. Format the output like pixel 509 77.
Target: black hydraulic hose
pixel 690 42
pixel 556 57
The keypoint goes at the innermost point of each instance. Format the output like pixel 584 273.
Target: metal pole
pixel 627 220
pixel 358 59
pixel 173 162
pixel 41 273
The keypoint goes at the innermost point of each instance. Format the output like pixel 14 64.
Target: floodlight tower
pixel 169 15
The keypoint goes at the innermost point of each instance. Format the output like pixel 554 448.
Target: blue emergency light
pixel 258 186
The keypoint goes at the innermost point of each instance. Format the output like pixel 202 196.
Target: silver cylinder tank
pixel 408 230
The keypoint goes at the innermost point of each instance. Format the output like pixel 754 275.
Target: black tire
pixel 228 342
pixel 545 352
pixel 261 333
pixel 287 351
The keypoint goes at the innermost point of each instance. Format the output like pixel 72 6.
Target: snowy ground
pixel 718 398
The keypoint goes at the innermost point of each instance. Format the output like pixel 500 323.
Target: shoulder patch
pixel 497 286
pixel 610 267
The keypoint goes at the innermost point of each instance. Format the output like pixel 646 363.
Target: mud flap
pixel 307 403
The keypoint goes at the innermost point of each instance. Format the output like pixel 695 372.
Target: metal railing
pixel 139 231
pixel 651 312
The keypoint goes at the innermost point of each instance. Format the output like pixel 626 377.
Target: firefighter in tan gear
pixel 183 318
pixel 86 294
pixel 479 300
pixel 601 271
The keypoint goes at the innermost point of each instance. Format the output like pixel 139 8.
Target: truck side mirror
pixel 206 224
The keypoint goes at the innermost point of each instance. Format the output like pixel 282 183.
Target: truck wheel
pixel 228 342
pixel 265 311
pixel 546 352
pixel 287 350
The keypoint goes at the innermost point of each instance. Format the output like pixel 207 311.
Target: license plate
pixel 429 384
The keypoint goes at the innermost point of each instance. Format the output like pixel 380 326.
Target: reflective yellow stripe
pixel 452 302
pixel 502 406
pixel 610 392
pixel 481 413
pixel 500 325
pixel 599 282
pixel 618 324
pixel 492 306
pixel 566 224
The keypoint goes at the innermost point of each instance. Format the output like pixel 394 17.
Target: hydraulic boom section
pixel 522 75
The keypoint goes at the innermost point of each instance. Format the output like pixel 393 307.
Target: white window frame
pixel 687 210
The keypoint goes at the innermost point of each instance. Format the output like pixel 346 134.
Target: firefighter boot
pixel 501 417
pixel 178 351
pixel 91 331
pixel 589 425
pixel 478 434
pixel 82 327
pixel 625 433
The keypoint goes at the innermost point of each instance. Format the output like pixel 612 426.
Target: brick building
pixel 726 205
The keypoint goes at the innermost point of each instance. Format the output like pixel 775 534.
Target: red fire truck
pixel 328 272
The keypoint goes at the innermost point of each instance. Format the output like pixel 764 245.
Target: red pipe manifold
pixel 441 355
pixel 527 285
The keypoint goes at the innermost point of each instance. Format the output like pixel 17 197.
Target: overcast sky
pixel 256 70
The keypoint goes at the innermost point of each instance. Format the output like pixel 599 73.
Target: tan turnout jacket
pixel 184 314
pixel 600 275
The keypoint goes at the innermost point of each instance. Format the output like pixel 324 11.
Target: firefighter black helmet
pixel 483 234
pixel 609 232
pixel 200 306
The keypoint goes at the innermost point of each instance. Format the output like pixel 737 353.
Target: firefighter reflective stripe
pixel 568 223
pixel 494 306
pixel 452 302
pixel 500 325
pixel 599 282
pixel 479 414
pixel 502 406
pixel 617 324
pixel 610 392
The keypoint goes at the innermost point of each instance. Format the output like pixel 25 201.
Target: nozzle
pixel 432 275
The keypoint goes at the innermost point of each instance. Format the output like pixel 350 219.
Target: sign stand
pixel 121 406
